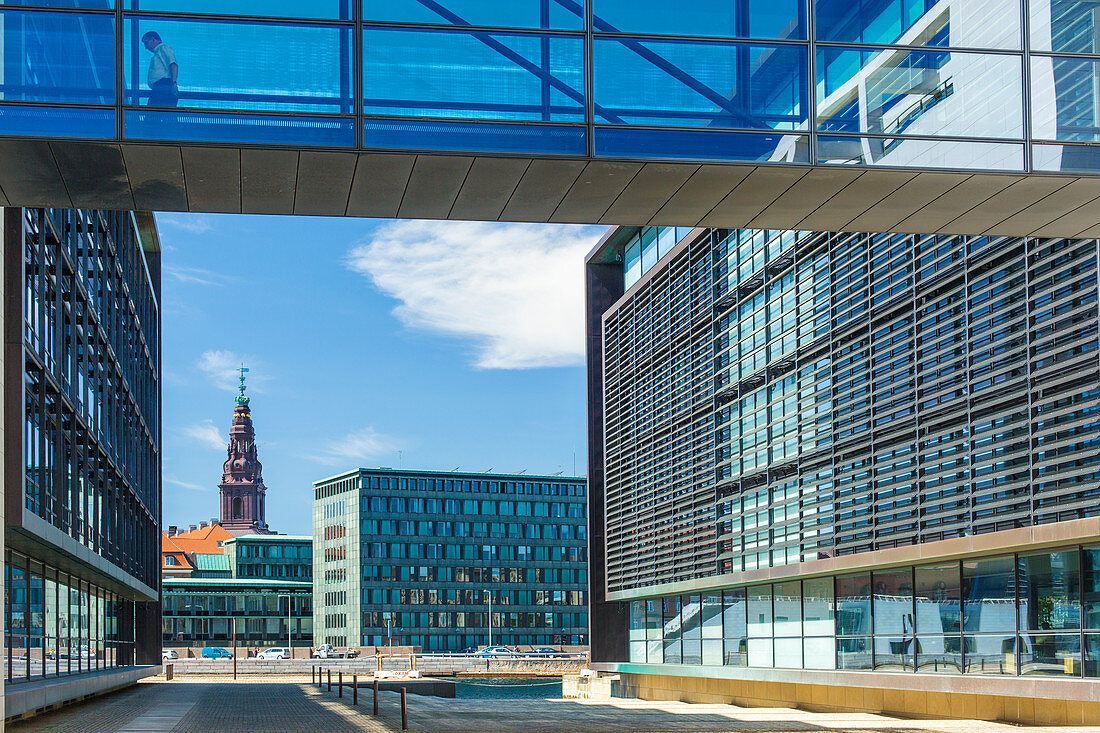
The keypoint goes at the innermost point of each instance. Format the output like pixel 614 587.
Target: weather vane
pixel 241 399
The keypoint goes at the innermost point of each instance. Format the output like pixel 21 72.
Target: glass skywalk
pixel 994 85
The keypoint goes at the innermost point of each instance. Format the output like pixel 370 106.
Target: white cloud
pixel 206 433
pixel 197 275
pixel 221 367
pixel 361 445
pixel 517 290
pixel 191 223
pixel 186 484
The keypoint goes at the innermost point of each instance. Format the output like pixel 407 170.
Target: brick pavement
pixel 282 706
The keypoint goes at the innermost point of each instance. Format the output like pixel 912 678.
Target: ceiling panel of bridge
pixel 386 185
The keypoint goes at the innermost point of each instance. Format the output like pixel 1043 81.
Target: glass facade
pixel 208 611
pixel 873 82
pixel 1025 614
pixel 417 558
pixel 271 556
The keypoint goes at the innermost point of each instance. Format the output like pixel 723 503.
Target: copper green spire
pixel 241 399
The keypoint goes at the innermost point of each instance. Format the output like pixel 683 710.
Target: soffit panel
pixel 488 187
pixel 592 194
pixel 1071 198
pixel 541 189
pixel 95 174
pixel 647 193
pixel 433 186
pixel 837 213
pixel 752 196
pixel 700 194
pixel 804 197
pixel 30 174
pixel 324 182
pixel 906 201
pixel 267 181
pixel 935 215
pixel 156 177
pixel 379 183
pixel 981 218
pixel 213 178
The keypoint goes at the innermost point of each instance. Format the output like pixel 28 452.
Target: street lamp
pixel 489 595
pixel 289 644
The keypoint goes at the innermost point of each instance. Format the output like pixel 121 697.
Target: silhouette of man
pixel 163 72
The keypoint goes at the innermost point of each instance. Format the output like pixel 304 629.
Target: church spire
pixel 242 487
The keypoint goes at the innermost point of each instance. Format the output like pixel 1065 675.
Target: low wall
pixel 428 666
pixel 29 698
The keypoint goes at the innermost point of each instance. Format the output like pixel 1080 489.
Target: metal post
pixel 312 672
pixel 329 680
pixel 404 710
pixel 355 689
pixel 234 650
pixel 375 697
pixel 340 684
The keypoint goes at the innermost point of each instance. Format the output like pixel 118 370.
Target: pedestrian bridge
pixel 958 116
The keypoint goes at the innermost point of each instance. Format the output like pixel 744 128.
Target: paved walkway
pixel 279 706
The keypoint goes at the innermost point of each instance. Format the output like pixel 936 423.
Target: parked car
pixel 496 651
pixel 216 652
pixel 547 651
pixel 328 651
pixel 169 654
pixel 275 652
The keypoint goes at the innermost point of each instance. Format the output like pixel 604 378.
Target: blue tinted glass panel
pixel 1064 97
pixel 622 142
pixel 1069 26
pixel 57 57
pixel 245 65
pixel 474 136
pixel 199 126
pixel 56 121
pixel 545 14
pixel 900 152
pixel 472 74
pixel 985 24
pixel 737 18
pixel 319 9
pixel 897 92
pixel 78 4
pixel 1076 158
pixel 700 84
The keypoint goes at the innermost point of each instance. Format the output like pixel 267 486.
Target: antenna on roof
pixel 488 470
pixel 557 473
pixel 455 468
pixel 522 470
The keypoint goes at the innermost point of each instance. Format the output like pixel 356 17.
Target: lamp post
pixel 489 595
pixel 289 643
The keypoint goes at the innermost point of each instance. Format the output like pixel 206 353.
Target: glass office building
pixel 1003 85
pixel 81 451
pixel 439 559
pixel 202 612
pixel 840 454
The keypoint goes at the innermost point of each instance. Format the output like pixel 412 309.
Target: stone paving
pixel 281 706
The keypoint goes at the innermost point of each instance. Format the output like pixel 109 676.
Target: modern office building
pixel 847 470
pixel 439 560
pixel 81 452
pixel 700 113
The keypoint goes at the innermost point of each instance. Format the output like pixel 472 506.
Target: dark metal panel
pixel 487 188
pixel 213 178
pixel 870 188
pixel 434 186
pixel 597 187
pixel 379 183
pixel 752 196
pixel 934 216
pixel 978 219
pixel 648 192
pixel 156 177
pixel 94 173
pixel 29 174
pixel 906 201
pixel 1074 198
pixel 267 181
pixel 699 194
pixel 804 197
pixel 324 183
pixel 541 189
pixel 3 198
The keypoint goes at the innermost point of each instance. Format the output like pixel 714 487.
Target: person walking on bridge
pixel 163 72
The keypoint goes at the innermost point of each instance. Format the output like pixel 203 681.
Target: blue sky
pixel 422 344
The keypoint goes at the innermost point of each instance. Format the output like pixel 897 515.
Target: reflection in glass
pixel 1065 99
pixel 444 73
pixel 787 606
pixel 541 14
pixel 712 616
pixel 319 9
pixel 57 57
pixel 938 595
pixel 239 128
pixel 624 142
pixel 989 24
pixel 671 632
pixel 1050 591
pixel 895 92
pixel 988 595
pixel 788 653
pixel 760 611
pixel 473 136
pixel 654 623
pixel 45 121
pixel 1067 26
pixel 819 652
pixel 817 605
pixel 1092 655
pixel 738 18
pixel 700 84
pixel 637 631
pixel 939 654
pixel 760 652
pixel 1050 654
pixel 691 629
pixel 893 619
pixel 853 604
pixel 989 653
pixel 1082 158
pixel 949 154
pixel 853 653
pixel 247 65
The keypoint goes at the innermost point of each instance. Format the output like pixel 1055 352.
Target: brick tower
pixel 242 486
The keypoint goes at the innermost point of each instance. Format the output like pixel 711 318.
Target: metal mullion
pixel 931 49
pixel 252 19
pixel 589 80
pixel 468 29
pixel 359 94
pixel 811 80
pixel 1025 101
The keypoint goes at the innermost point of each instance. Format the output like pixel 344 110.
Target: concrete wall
pixel 428 666
pixel 28 698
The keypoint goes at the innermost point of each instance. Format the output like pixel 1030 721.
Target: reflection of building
pixel 81 452
pixel 238 578
pixel 854 452
pixel 418 557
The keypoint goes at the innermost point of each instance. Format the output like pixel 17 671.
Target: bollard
pixel 329 680
pixel 404 711
pixel 340 683
pixel 355 689
pixel 375 698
